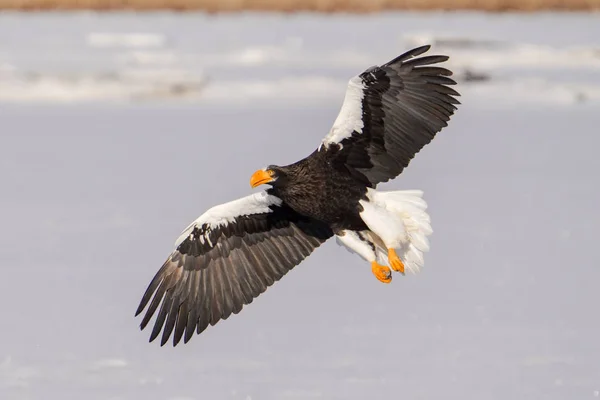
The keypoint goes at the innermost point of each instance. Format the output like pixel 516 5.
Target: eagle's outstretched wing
pixel 225 259
pixel 389 113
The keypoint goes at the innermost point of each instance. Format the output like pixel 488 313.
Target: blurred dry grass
pixel 357 6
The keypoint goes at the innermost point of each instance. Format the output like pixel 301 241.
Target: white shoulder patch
pixel 226 213
pixel 350 117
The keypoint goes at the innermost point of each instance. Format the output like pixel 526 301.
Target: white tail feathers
pixel 410 207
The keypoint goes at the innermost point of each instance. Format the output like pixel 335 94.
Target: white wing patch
pixel 226 213
pixel 349 119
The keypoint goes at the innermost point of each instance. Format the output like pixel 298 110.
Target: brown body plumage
pixel 316 187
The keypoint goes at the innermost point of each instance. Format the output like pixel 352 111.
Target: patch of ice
pixel 154 58
pixel 257 55
pixel 528 56
pixel 150 381
pixel 291 88
pixel 532 90
pixel 467 52
pixel 108 363
pixel 446 40
pixel 126 85
pixel 109 39
pixel 286 55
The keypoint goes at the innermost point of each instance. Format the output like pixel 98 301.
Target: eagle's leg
pixel 360 243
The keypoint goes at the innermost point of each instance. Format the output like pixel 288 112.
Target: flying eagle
pixel 234 251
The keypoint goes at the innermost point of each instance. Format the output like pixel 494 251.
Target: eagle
pixel 234 251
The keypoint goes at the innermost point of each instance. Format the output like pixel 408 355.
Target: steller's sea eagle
pixel 234 251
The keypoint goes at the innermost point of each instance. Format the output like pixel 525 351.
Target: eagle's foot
pixel 395 262
pixel 384 274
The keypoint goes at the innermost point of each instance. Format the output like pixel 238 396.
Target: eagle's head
pixel 272 175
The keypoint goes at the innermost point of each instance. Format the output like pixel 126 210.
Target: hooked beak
pixel 261 177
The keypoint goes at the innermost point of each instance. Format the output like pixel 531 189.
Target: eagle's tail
pixel 410 207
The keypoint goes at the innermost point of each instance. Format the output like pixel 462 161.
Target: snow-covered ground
pixel 272 58
pixel 116 130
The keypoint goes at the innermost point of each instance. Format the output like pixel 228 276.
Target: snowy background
pixel 117 130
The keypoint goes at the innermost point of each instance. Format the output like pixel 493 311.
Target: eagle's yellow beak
pixel 261 177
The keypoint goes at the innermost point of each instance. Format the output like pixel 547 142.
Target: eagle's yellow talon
pixel 384 274
pixel 395 262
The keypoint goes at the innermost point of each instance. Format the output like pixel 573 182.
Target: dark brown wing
pixel 389 114
pixel 224 261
